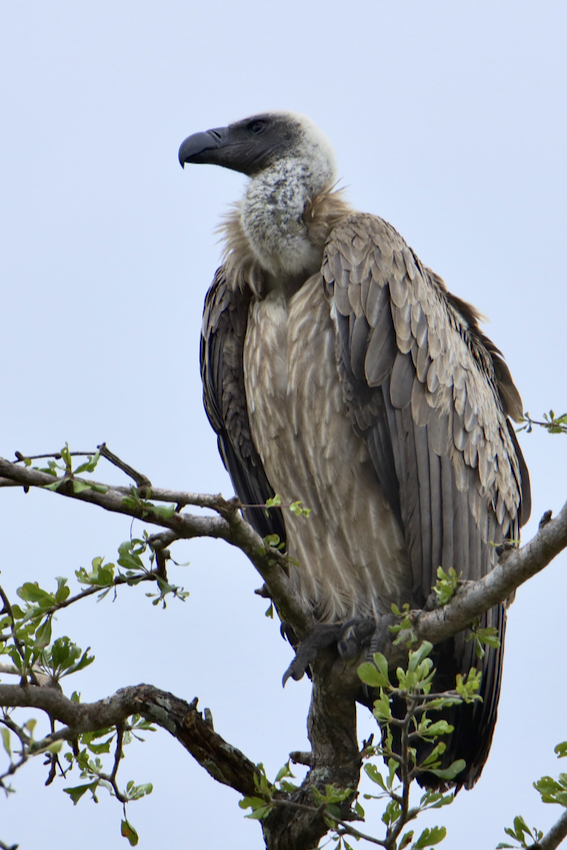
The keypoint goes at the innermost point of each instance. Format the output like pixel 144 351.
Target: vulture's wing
pixel 222 340
pixel 430 395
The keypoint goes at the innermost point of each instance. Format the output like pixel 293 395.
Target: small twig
pixel 24 741
pixel 162 557
pixel 55 455
pixel 140 479
pixel 24 738
pixel 52 758
pixel 150 575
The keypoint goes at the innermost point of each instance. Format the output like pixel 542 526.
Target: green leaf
pixel 296 509
pixel 43 634
pixel 79 790
pixel 445 585
pixel 272 540
pixel 520 827
pixel 430 836
pixel 418 655
pixel 30 726
pixel 17 612
pixel 16 657
pixel 374 774
pixel 53 486
pixel 32 592
pixel 62 590
pixel 289 787
pixel 259 814
pixel 435 799
pixel 274 502
pixel 372 676
pixel 450 772
pixel 251 802
pixel 99 488
pixel 381 709
pixel 98 749
pixel 382 664
pixel 66 456
pixel 441 727
pixel 560 749
pixel 391 813
pixel 284 771
pixel 80 486
pixel 89 465
pixel 128 831
pixel 7 741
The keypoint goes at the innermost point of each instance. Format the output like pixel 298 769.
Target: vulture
pixel 339 370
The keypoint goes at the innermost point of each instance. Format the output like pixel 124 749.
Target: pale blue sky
pixel 448 119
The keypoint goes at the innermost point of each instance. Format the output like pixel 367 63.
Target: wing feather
pixel 222 340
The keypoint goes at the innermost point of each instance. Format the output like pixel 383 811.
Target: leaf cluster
pixel 54 468
pixel 26 640
pixel 296 507
pixel 551 423
pixel 401 733
pixel 268 794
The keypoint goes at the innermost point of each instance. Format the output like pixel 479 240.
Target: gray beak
pixel 200 147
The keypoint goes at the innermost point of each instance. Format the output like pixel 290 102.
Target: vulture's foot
pixel 348 637
pixel 382 636
pixel 356 633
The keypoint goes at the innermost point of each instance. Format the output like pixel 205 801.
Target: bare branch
pixel 554 836
pixel 140 479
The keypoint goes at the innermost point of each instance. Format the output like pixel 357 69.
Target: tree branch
pixel 469 602
pixel 229 526
pixel 516 566
pixel 181 719
pixel 555 836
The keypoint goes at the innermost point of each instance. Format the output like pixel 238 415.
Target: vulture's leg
pixel 382 636
pixel 349 638
pixel 356 633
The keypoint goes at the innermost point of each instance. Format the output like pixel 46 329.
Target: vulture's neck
pixel 273 216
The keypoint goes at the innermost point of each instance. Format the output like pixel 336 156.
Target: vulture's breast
pixel 350 550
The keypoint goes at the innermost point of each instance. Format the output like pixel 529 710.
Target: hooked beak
pixel 201 147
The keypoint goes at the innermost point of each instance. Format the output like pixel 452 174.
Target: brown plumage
pixel 338 370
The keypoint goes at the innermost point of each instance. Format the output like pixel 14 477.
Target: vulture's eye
pixel 256 127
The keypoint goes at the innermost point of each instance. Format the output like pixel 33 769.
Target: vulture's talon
pixel 382 637
pixel 355 634
pixel 322 636
pixel 349 638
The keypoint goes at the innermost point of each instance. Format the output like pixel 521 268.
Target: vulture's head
pixel 255 144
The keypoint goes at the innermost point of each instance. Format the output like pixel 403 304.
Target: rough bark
pixel 335 758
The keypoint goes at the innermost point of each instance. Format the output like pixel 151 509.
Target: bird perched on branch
pixel 339 371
